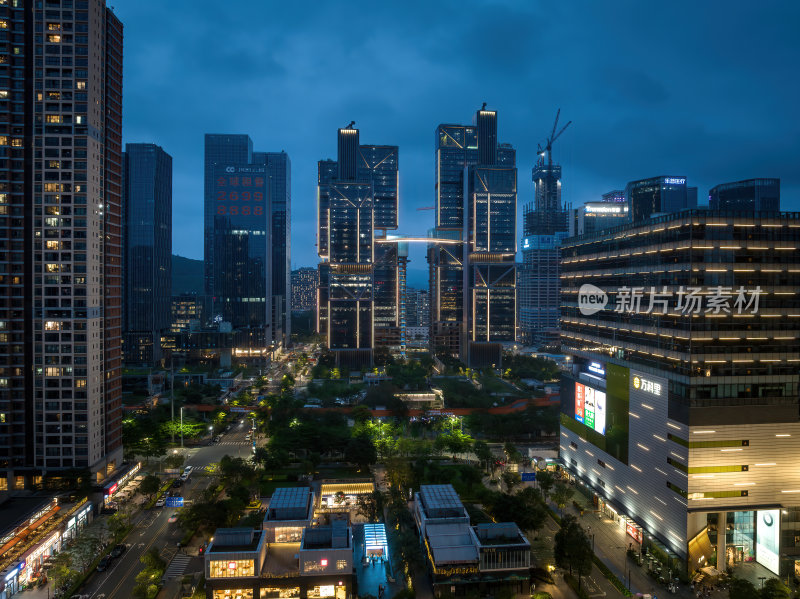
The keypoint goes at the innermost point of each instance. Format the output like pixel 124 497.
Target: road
pixel 151 527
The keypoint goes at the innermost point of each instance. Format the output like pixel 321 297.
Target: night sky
pixel 709 90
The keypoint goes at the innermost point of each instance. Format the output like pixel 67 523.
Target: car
pixel 104 563
pixel 160 502
pixel 177 483
pixel 118 550
pixel 173 518
pixel 216 439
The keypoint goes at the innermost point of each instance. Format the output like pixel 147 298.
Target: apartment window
pixel 54 38
pixel 4 487
pixel 19 483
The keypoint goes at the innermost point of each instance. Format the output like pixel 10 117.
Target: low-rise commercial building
pixel 242 563
pixel 487 558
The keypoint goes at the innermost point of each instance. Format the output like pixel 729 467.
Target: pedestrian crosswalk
pixel 234 443
pixel 177 566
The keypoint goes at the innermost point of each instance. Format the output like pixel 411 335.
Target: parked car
pixel 104 563
pixel 118 550
pixel 160 502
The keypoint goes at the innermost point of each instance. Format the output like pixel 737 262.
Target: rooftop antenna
pixel 350 126
pixel 484 106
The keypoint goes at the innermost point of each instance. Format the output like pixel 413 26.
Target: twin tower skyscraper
pixel 471 248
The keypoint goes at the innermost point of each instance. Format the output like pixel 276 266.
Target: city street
pixel 151 527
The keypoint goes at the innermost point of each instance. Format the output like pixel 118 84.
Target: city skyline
pixel 640 104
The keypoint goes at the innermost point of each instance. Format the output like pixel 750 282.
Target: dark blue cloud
pixel 708 90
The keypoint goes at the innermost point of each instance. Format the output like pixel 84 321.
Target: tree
pixel 174 460
pixel 118 525
pixel 572 547
pixel 150 485
pixel 742 589
pixel 511 479
pixel 774 589
pixel 361 451
pixel 484 454
pixel 512 453
pixel 371 505
pixel 360 414
pixel 546 481
pixel 61 572
pixel 561 494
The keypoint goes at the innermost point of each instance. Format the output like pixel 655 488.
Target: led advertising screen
pixel 579 399
pixel 768 538
pixel 590 407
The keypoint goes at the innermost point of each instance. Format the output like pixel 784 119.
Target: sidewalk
pixel 610 545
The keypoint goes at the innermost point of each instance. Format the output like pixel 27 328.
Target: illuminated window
pixel 230 593
pixel 279 592
pixel 3 382
pixel 231 568
pixel 2 421
pixel 3 24
pixel 3 140
pixel 19 482
pixel 54 26
pixel 4 487
pixel 80 119
pixel 54 164
pixel 3 94
pixel 16 142
pixel 53 95
pixel 54 38
pixel 80 383
pixel 53 245
pixel 52 187
pixel 53 118
pixel 52 371
pixel 52 325
pixel 80 85
pixel 341 564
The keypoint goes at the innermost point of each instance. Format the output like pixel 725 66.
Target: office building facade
pixel 147 193
pixel 473 278
pixel 418 308
pixel 60 201
pixel 658 195
pixel 680 409
pixel 304 289
pixel 244 192
pixel 358 293
pixel 750 195
pixel 596 216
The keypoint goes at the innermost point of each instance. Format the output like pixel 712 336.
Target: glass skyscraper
pixel 752 195
pixel 658 195
pixel 147 192
pixel 473 283
pixel 245 193
pixel 358 294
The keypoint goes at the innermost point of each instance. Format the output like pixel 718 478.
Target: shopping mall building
pixel 680 409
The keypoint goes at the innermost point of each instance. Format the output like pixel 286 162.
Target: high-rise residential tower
pixel 147 194
pixel 473 280
pixel 241 189
pixel 358 294
pixel 61 215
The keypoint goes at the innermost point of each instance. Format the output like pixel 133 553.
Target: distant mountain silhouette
pixel 187 275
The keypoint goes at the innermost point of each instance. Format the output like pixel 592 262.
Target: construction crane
pixel 547 150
